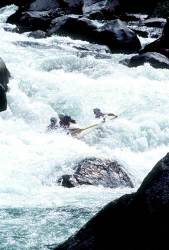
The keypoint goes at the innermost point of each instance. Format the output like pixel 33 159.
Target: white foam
pixel 52 79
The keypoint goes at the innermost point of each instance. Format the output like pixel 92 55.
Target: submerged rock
pixel 136 221
pixel 96 172
pixel 155 59
pixel 37 34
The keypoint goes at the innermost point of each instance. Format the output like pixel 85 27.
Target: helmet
pixel 96 110
pixel 53 120
pixel 65 119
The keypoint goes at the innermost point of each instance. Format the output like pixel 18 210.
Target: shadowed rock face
pixel 139 6
pixel 4 75
pixel 4 79
pixel 104 10
pixel 21 3
pixel 160 45
pixel 3 100
pixel 96 172
pixel 137 221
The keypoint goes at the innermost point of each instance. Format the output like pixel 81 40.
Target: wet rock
pixel 69 6
pixel 155 22
pixel 136 221
pixel 103 10
pixel 43 5
pixel 38 14
pixel 37 34
pixel 139 6
pixel 155 59
pixel 3 100
pixel 4 3
pixel 31 20
pixel 161 9
pixel 4 75
pixel 118 37
pixel 4 79
pixel 75 26
pixel 115 34
pixel 96 172
pixel 161 45
pixel 98 51
pixel 130 17
pixel 140 32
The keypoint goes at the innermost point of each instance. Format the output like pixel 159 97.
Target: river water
pixel 51 76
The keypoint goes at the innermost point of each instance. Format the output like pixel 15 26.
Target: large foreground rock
pixel 4 79
pixel 155 59
pixel 96 172
pixel 134 222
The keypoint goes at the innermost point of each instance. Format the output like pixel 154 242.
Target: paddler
pixel 53 124
pixel 99 114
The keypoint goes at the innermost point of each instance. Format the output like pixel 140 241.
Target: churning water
pixel 52 76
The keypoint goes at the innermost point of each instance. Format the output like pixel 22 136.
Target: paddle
pixel 76 131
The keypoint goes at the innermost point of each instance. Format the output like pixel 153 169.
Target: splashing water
pixel 49 76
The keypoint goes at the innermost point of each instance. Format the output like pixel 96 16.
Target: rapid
pixel 52 76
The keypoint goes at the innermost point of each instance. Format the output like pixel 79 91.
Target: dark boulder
pixel 155 59
pixel 72 6
pixel 155 22
pixel 23 3
pixel 118 37
pixel 96 172
pixel 115 34
pixel 4 79
pixel 161 9
pixel 136 221
pixel 38 14
pixel 31 20
pixel 103 10
pixel 139 32
pixel 4 75
pixel 43 5
pixel 139 6
pixel 3 100
pixel 69 6
pixel 75 26
pixel 161 45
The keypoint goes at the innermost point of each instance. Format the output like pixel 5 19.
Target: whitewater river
pixel 51 76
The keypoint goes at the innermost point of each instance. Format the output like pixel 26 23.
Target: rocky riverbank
pixel 108 23
pixel 136 221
